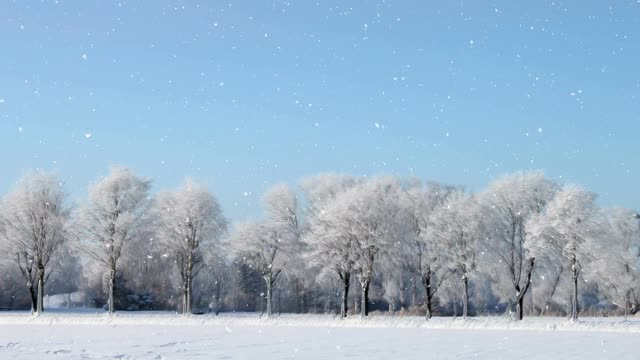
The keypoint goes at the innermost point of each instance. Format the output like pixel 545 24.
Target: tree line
pixel 331 244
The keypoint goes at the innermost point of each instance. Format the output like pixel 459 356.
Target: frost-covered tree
pixel 456 226
pixel 422 249
pixel 367 216
pixel 281 216
pixel 111 219
pixel 189 222
pixel 35 227
pixel 328 249
pixel 261 248
pixel 264 245
pixel 565 227
pixel 332 252
pixel 616 268
pixel 507 204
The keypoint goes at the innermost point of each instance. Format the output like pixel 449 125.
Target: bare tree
pixel 564 227
pixel 189 222
pixel 111 219
pixel 35 226
pixel 508 204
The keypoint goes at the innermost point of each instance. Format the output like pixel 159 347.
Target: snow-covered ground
pixel 244 336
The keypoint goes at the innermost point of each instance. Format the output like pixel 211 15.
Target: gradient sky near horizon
pixel 240 95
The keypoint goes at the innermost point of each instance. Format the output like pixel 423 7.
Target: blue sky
pixel 244 94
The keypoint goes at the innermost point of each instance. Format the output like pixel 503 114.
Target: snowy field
pixel 58 335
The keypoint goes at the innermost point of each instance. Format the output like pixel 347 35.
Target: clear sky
pixel 243 94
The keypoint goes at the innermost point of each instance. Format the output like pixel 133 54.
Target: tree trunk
pixel 301 295
pixel 364 305
pixel 521 293
pixel 261 304
pixel 428 294
pixel 520 307
pixel 626 310
pixel 34 298
pixel 315 299
pixel 356 302
pixel 429 314
pixel 627 303
pixel 269 281
pixel 403 295
pixel 188 296
pixel 455 307
pixel 184 299
pixel 187 293
pixel 39 304
pixel 112 276
pixel 279 298
pixel 297 293
pixel 574 294
pixel 465 297
pixel 414 293
pixel 344 308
